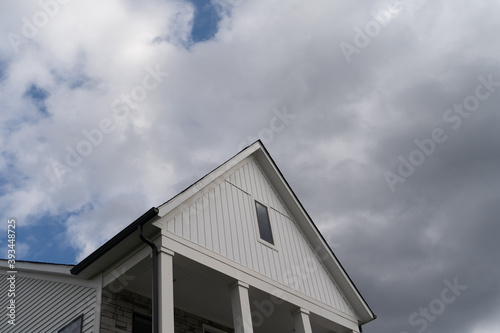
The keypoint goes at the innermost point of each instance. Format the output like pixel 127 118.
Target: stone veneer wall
pixel 118 308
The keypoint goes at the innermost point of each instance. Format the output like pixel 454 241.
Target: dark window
pixel 264 225
pixel 141 324
pixel 74 327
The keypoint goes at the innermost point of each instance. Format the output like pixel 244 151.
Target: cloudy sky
pixel 382 115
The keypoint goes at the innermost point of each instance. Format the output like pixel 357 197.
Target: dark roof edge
pixel 317 230
pixel 147 216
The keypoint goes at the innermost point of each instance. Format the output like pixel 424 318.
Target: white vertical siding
pixel 224 221
pixel 47 306
pixel 251 180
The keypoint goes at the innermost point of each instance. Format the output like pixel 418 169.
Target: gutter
pixel 129 230
pixel 366 322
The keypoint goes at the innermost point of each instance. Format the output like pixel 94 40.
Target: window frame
pixel 259 238
pixel 80 317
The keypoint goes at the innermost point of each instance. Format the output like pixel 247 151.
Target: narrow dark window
pixel 75 326
pixel 141 323
pixel 264 224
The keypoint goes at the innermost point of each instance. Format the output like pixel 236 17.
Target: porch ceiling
pixel 205 292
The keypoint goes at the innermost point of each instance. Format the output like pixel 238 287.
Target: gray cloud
pixel 352 122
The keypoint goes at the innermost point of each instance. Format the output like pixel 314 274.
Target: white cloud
pixel 353 120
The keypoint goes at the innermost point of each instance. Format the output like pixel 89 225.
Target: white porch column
pixel 242 315
pixel 166 291
pixel 301 321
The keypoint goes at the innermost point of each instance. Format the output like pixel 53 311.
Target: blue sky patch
pixel 3 68
pixel 75 79
pixel 205 21
pixel 81 81
pixel 48 235
pixel 11 177
pixel 38 96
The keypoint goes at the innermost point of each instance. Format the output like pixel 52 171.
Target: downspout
pixel 154 253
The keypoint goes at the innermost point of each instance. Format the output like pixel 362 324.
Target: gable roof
pixel 295 208
pixel 95 261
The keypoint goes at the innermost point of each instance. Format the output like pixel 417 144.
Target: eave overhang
pixel 113 249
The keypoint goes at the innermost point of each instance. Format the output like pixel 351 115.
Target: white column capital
pixel 299 311
pixel 166 251
pixel 301 321
pixel 239 284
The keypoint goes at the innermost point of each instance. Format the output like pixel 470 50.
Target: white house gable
pixel 223 219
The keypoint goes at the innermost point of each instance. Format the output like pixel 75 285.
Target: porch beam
pixel 301 321
pixel 324 315
pixel 240 302
pixel 166 291
pixel 119 272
